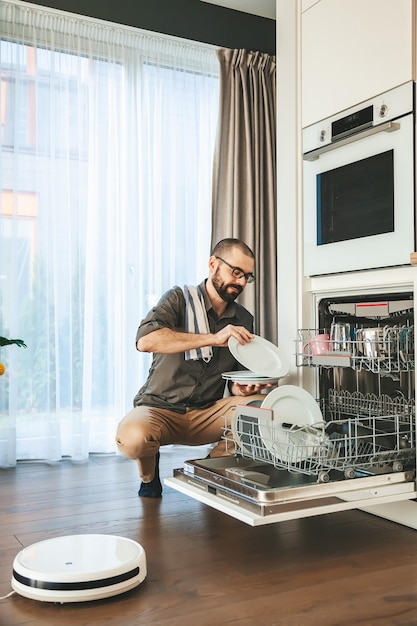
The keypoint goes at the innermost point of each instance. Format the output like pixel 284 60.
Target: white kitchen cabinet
pixel 353 50
pixel 307 4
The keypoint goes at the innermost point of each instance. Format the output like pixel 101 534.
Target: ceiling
pixel 263 8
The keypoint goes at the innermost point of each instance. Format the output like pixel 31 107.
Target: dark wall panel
pixel 191 19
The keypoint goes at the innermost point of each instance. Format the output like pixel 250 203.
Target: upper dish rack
pixel 380 350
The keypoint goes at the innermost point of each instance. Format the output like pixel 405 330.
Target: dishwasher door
pixel 260 494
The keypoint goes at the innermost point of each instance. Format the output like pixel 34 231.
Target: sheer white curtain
pixel 107 140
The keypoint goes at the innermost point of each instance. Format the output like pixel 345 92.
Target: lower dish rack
pixel 352 442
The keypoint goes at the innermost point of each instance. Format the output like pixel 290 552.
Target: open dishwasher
pixel 354 446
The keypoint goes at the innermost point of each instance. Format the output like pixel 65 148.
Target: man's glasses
pixel 237 272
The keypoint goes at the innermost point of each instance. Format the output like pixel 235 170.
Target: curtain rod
pixel 123 27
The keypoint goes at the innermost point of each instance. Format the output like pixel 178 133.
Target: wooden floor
pixel 205 568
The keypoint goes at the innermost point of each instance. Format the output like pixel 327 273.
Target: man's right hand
pixel 240 333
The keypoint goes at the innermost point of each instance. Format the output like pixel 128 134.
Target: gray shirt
pixel 175 383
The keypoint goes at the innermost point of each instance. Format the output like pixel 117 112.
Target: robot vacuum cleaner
pixel 78 568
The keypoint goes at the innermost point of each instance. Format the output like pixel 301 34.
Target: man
pixel 182 401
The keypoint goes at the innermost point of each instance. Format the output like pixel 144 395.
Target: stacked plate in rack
pixel 293 432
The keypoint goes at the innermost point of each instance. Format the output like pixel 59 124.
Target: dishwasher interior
pixel 359 443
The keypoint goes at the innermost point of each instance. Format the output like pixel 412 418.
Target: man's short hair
pixel 225 245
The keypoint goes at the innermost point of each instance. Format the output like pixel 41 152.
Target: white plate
pixel 260 356
pixel 289 434
pixel 248 378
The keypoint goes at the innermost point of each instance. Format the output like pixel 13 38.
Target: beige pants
pixel 144 429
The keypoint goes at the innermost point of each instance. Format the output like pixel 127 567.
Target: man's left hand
pixel 248 390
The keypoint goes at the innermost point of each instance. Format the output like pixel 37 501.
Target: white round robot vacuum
pixel 77 568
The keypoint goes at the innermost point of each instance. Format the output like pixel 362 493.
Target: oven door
pixel 359 202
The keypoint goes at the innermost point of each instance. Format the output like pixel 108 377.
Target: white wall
pixel 289 182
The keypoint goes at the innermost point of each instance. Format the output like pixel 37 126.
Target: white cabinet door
pixel 353 50
pixel 307 4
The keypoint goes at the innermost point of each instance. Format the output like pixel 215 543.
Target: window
pixel 107 138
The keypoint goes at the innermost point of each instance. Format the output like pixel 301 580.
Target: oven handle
pixel 387 127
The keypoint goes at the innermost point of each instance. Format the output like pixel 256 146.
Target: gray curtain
pixel 244 177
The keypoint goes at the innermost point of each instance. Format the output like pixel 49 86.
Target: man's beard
pixel 222 288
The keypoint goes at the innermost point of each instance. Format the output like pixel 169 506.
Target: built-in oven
pixel 350 445
pixel 359 186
